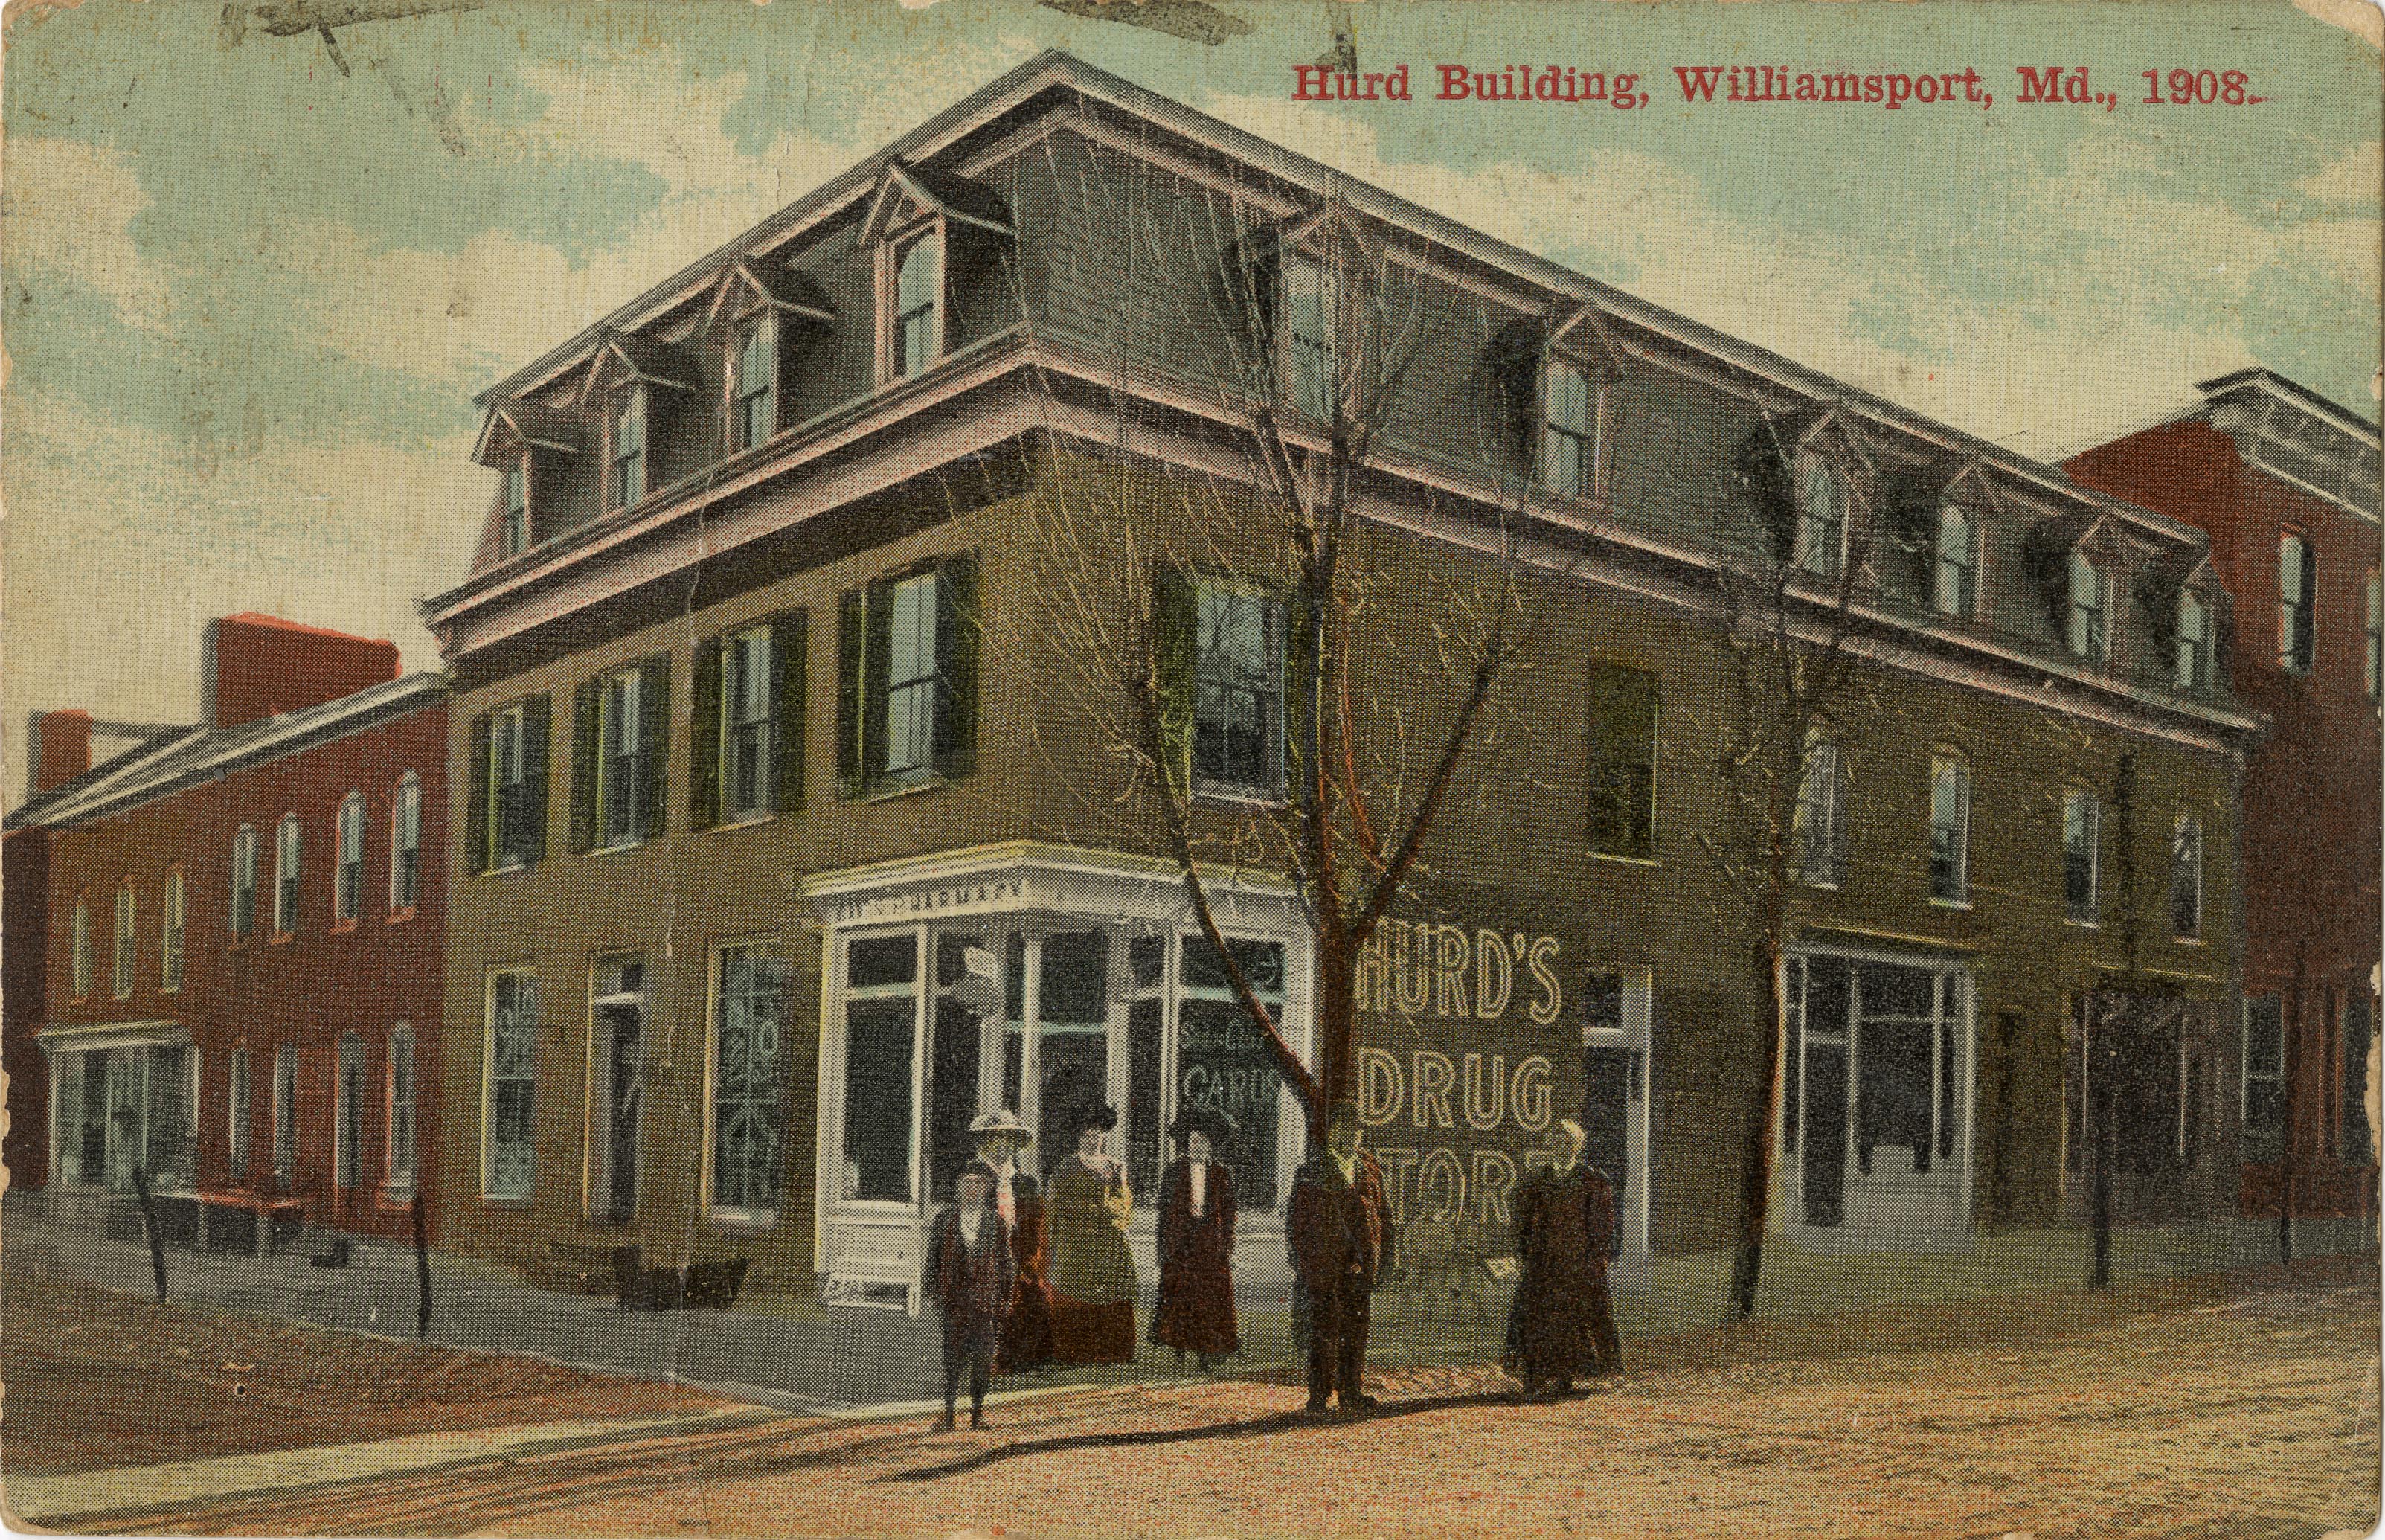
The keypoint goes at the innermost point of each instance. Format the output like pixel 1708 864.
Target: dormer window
pixel 916 333
pixel 1821 543
pixel 1956 569
pixel 1568 428
pixel 2192 666
pixel 2089 630
pixel 625 455
pixel 1308 303
pixel 753 406
pixel 513 525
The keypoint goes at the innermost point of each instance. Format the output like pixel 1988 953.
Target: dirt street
pixel 2244 1406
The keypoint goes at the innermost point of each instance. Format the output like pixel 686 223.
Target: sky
pixel 249 284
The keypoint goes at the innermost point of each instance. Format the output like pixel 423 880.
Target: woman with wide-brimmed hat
pixel 1000 1138
pixel 1197 1243
pixel 1093 1280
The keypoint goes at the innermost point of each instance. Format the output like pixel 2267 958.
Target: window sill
pixel 1648 863
pixel 399 917
pixel 1223 795
pixel 2078 924
pixel 892 788
pixel 1950 903
pixel 170 989
pixel 503 869
pixel 750 820
pixel 396 1194
pixel 342 927
pixel 739 1222
pixel 617 848
pixel 120 999
pixel 2187 941
pixel 1820 884
pixel 491 1200
pixel 280 938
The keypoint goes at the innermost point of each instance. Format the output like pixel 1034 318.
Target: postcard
pixel 1209 767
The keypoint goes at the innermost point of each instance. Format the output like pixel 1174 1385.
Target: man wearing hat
pixel 1336 1224
pixel 1562 1325
pixel 1000 1138
pixel 1196 1244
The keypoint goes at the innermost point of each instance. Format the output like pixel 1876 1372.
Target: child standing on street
pixel 971 1275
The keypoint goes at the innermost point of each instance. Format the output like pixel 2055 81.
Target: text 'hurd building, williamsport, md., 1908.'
pixel 793 825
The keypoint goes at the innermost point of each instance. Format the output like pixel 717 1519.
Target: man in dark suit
pixel 1336 1225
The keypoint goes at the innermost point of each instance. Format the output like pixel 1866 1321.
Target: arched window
pixel 120 974
pixel 1950 827
pixel 80 959
pixel 398 1160
pixel 1821 516
pixel 1957 581
pixel 1821 828
pixel 2082 822
pixel 348 1115
pixel 244 880
pixel 169 949
pixel 285 876
pixel 2091 609
pixel 349 884
pixel 2297 588
pixel 406 843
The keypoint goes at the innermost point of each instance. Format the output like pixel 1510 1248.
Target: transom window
pixel 1821 516
pixel 753 415
pixel 1238 685
pixel 2192 670
pixel 244 880
pixel 917 334
pixel 169 954
pixel 121 977
pixel 1950 829
pixel 406 843
pixel 749 1082
pixel 1310 305
pixel 1569 430
pixel 2090 609
pixel 285 875
pixel 349 884
pixel 513 530
pixel 1957 568
pixel 626 484
pixel 2083 817
pixel 2186 877
pixel 2297 589
pixel 746 697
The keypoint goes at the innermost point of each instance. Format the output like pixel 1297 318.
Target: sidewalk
pixel 791 1354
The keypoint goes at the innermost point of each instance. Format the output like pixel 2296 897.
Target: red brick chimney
pixel 256 665
pixel 61 747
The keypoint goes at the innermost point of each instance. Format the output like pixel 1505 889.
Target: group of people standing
pixel 1030 1277
pixel 1033 1277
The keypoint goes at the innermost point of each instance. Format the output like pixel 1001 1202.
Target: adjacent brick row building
pixel 788 813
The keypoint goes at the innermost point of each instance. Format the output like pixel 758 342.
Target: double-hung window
pixel 508 780
pixel 2186 877
pixel 746 732
pixel 2090 611
pixel 406 843
pixel 1820 819
pixel 120 976
pixel 619 753
pixel 513 528
pixel 505 812
pixel 1957 566
pixel 80 957
pixel 2297 593
pixel 1623 703
pixel 398 1157
pixel 285 1113
pixel 749 1082
pixel 2192 641
pixel 915 333
pixel 1820 545
pixel 1308 322
pixel 907 677
pixel 510 1067
pixel 348 878
pixel 754 410
pixel 626 477
pixel 2082 817
pixel 1950 829
pixel 236 1111
pixel 285 876
pixel 1568 428
pixel 169 950
pixel 620 773
pixel 1238 691
pixel 244 880
pixel 746 699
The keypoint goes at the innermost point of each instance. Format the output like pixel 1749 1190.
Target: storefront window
pixel 119 1110
pixel 1875 1082
pixel 881 990
pixel 1222 1060
pixel 749 1082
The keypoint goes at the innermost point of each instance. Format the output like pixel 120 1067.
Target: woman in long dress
pixel 1196 1247
pixel 1093 1280
pixel 1562 1327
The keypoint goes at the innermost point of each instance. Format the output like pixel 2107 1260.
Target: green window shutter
pixel 957 665
pixel 790 654
pixel 654 746
pixel 476 799
pixel 877 656
pixel 536 731
pixel 1175 632
pixel 703 737
pixel 1622 761
pixel 849 628
pixel 586 701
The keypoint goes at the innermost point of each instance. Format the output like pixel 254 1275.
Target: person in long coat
pixel 971 1273
pixel 1335 1224
pixel 1093 1280
pixel 1018 1198
pixel 1196 1245
pixel 1562 1325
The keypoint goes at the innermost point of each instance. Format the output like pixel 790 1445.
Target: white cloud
pixel 69 209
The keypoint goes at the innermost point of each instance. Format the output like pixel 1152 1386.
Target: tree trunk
pixel 1756 1157
pixel 2097 1054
